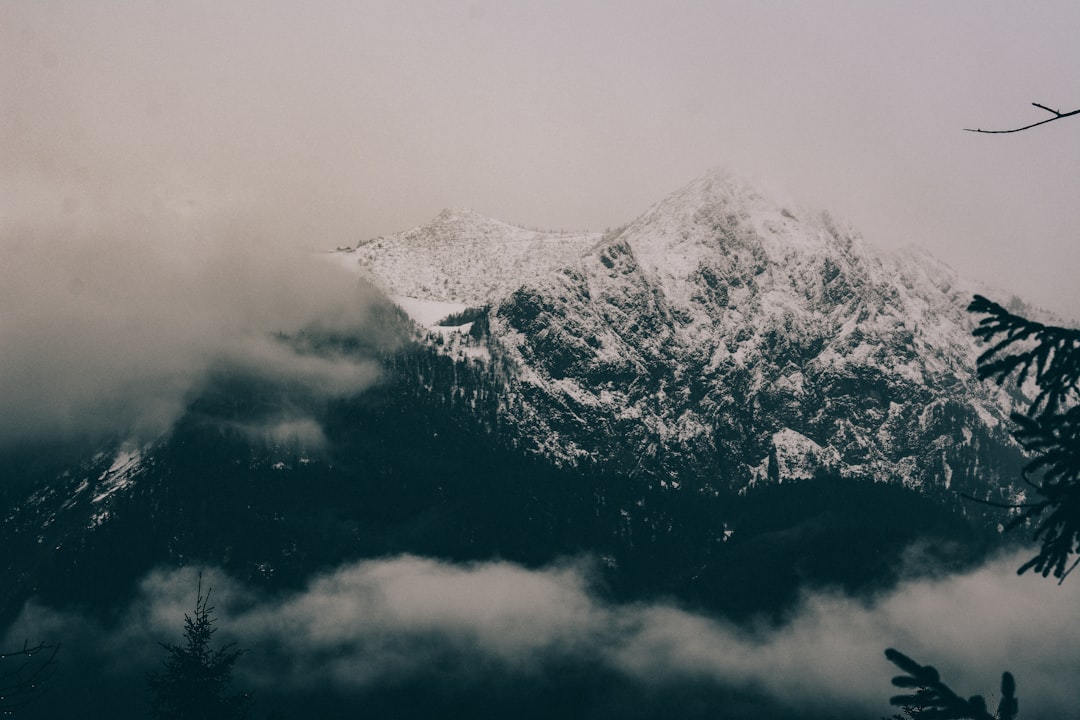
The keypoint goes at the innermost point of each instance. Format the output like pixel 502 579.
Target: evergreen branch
pixel 1054 355
pixel 1067 572
pixel 1008 706
pixel 933 699
pixel 1057 116
pixel 1054 441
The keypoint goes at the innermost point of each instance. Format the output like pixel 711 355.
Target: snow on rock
pixel 92 488
pixel 119 475
pixel 797 457
pixel 715 330
pixel 463 257
pixel 427 313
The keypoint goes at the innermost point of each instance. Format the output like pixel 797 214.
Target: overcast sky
pixel 334 121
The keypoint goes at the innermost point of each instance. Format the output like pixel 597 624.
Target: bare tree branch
pixel 1057 116
pixel 1050 110
pixel 25 683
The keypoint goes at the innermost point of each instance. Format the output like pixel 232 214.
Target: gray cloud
pixel 111 323
pixel 379 621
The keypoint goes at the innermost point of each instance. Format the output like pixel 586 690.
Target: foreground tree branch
pixel 23 674
pixel 932 699
pixel 1021 349
pixel 1057 116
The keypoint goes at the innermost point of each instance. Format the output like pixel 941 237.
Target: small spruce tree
pixel 195 682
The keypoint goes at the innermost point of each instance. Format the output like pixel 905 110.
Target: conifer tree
pixel 1048 356
pixel 932 699
pixel 195 682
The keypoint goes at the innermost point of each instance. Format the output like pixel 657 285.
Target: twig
pixel 1057 116
pixel 991 503
pixel 1071 568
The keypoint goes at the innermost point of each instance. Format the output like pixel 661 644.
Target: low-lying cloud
pixel 112 319
pixel 380 622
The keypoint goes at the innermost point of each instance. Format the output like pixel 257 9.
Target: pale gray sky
pixel 334 121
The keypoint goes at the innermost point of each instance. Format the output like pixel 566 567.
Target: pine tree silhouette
pixel 194 684
pixel 1049 357
pixel 1050 429
pixel 934 700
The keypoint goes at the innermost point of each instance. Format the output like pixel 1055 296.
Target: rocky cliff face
pixel 721 340
pixel 463 257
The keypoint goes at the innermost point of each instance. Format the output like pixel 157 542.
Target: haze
pixel 340 121
pixel 165 168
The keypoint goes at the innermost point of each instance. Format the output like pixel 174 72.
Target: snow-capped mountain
pixel 464 257
pixel 720 339
pixel 644 395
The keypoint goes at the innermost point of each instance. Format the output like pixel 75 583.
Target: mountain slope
pixel 719 340
pixel 464 257
pixel 643 397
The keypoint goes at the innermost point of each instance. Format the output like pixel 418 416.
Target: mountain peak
pixel 721 324
pixel 463 256
pixel 719 186
pixel 721 230
pixel 719 330
pixel 463 215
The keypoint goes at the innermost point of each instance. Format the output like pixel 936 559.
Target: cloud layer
pixel 112 321
pixel 383 622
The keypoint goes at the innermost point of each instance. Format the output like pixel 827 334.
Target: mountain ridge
pixel 426 262
pixel 647 396
pixel 717 329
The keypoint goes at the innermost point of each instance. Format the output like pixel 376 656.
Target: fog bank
pixel 383 622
